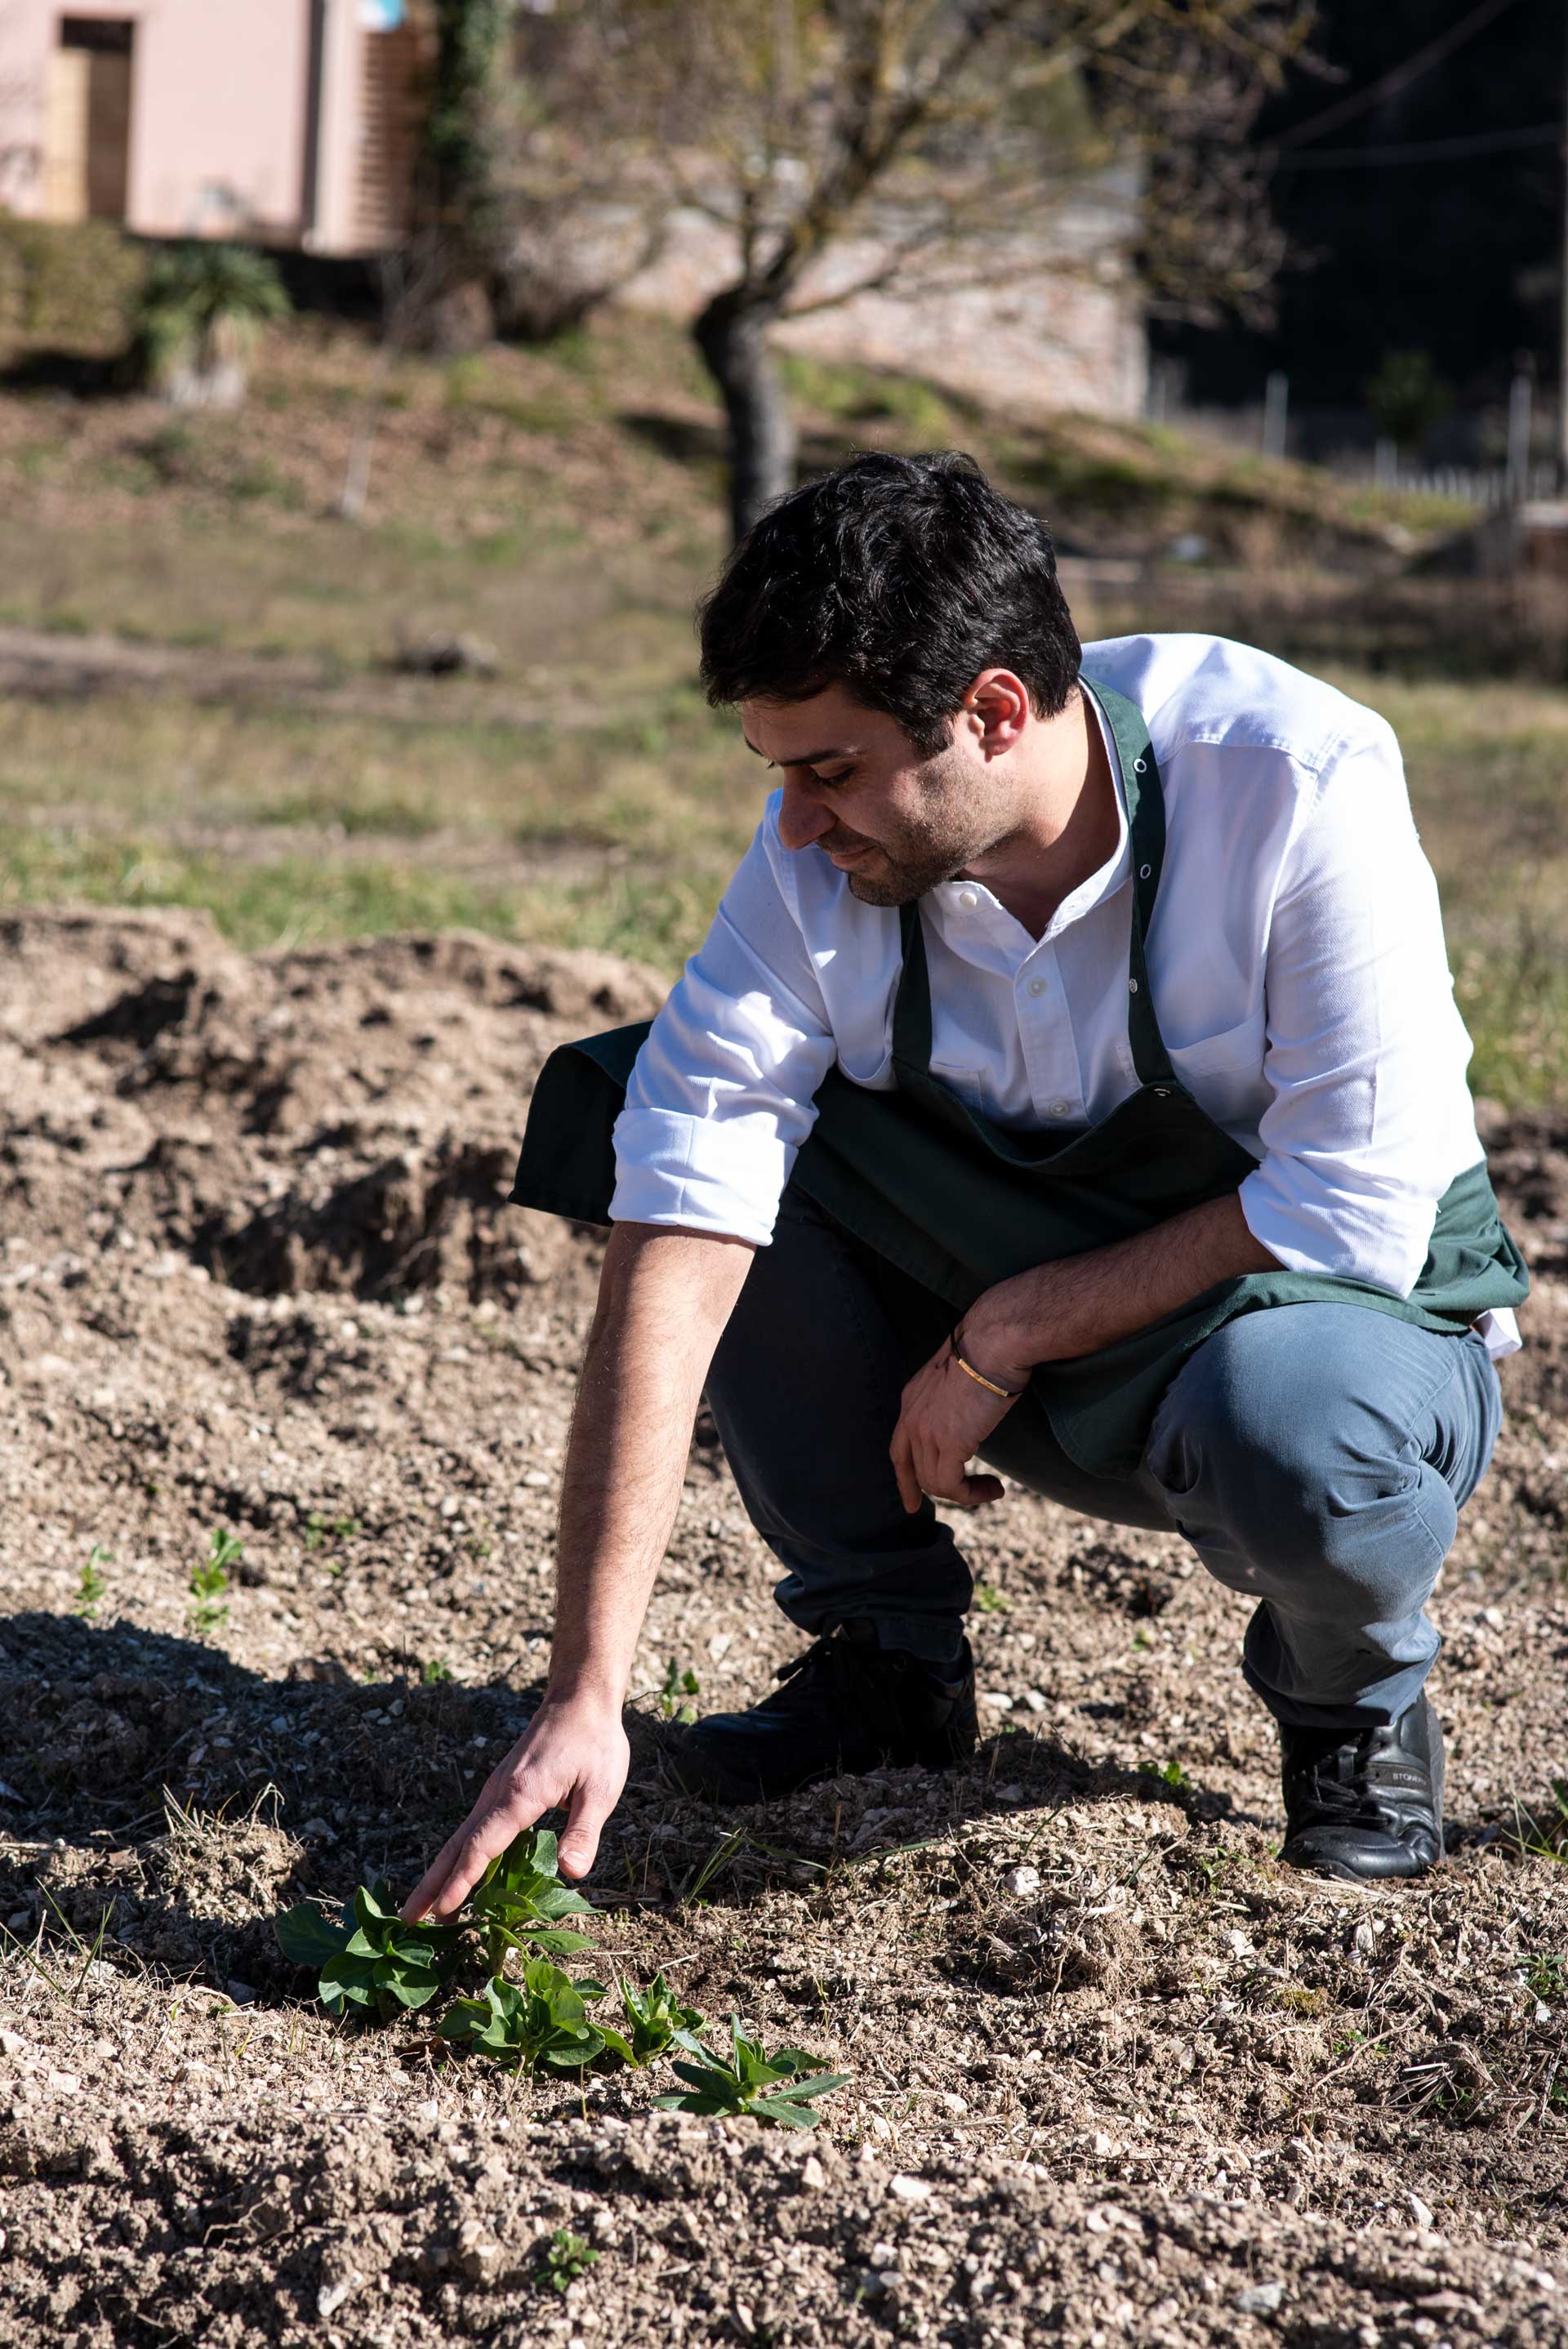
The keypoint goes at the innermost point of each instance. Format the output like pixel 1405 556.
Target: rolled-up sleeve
pixel 722 1094
pixel 1364 1040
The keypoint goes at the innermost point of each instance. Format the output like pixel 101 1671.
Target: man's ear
pixel 996 708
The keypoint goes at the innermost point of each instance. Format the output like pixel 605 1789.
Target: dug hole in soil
pixel 1116 2076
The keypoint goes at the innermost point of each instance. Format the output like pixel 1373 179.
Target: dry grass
pixel 561 506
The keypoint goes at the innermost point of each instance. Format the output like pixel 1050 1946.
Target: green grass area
pixel 620 835
pixel 563 505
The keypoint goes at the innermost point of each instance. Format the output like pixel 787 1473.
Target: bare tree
pixel 927 133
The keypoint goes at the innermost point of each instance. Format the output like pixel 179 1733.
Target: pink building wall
pixel 220 102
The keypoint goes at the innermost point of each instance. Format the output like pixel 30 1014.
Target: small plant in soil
pixel 90 1585
pixel 1169 1773
pixel 370 1963
pixel 519 1899
pixel 989 1600
pixel 781 2087
pixel 433 1671
pixel 319 1530
pixel 566 2257
pixel 540 2025
pixel 679 1686
pixel 210 1580
pixel 655 2021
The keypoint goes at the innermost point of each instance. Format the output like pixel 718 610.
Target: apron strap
pixel 1146 831
pixel 1146 841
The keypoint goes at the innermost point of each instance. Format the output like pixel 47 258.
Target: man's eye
pixel 832 780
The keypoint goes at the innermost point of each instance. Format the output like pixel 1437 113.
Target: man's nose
pixel 801 818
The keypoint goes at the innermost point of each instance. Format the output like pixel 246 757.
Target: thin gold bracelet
pixel 1008 1394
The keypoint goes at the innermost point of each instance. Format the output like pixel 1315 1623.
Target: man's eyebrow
pixel 806 758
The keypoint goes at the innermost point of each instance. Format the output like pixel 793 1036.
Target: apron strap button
pixel 1144 871
pixel 1140 766
pixel 1132 987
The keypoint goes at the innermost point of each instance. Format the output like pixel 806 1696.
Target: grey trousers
pixel 1315 1457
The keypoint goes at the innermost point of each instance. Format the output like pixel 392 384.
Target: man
pixel 1071 1080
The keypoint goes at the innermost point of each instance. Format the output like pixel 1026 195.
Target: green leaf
pixel 785 2115
pixel 305 1937
pixel 817 2084
pixel 616 2045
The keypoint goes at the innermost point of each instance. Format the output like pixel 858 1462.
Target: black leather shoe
pixel 1365 1805
pixel 847 1705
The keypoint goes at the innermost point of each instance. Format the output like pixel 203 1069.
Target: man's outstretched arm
pixel 664 1299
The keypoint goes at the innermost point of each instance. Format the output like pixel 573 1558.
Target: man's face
pixel 894 823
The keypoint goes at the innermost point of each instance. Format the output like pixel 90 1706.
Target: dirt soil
pixel 1118 2078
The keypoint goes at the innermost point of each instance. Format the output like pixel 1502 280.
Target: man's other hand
pixel 944 1418
pixel 575 1754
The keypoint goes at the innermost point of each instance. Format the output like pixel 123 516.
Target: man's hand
pixel 573 1753
pixel 944 1418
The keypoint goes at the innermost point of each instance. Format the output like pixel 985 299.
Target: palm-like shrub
pixel 202 308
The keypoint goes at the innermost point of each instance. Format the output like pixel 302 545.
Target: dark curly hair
pixel 900 577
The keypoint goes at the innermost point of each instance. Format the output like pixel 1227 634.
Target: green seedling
pixel 209 1579
pixel 1169 1773
pixel 677 1687
pixel 566 2257
pixel 1546 1976
pixel 91 1586
pixel 656 2019
pixel 435 1669
pixel 519 1899
pixel 371 1962
pixel 781 2088
pixel 540 2025
pixel 319 1529
pixel 989 1600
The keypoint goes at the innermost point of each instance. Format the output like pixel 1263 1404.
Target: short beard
pixel 937 855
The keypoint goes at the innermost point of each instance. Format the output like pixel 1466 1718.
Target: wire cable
pixel 1397 77
pixel 1426 150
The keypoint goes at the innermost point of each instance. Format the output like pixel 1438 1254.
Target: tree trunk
pixel 732 336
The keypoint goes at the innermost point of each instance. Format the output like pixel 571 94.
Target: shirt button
pixel 1059 1109
pixel 968 900
pixel 1037 986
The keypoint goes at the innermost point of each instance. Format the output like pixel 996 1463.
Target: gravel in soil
pixel 1116 2074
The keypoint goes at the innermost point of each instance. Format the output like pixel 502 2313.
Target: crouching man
pixel 1070 1081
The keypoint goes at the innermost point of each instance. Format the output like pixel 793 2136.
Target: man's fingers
pixel 460 1863
pixel 908 1486
pixel 592 1805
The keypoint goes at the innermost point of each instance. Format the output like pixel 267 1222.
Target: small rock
pixel 439 655
pixel 1420 2211
pixel 952 2104
pixel 1239 1945
pixel 331 2296
pixel 64 2084
pixel 242 1992
pixel 535 1478
pixel 1362 1939
pixel 813 2177
pixel 1032 1701
pixel 909 2189
pixel 1020 1880
pixel 1260 2299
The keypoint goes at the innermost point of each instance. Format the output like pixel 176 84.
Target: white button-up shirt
pixel 1295 957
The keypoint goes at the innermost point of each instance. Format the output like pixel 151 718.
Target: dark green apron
pixel 960 1203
